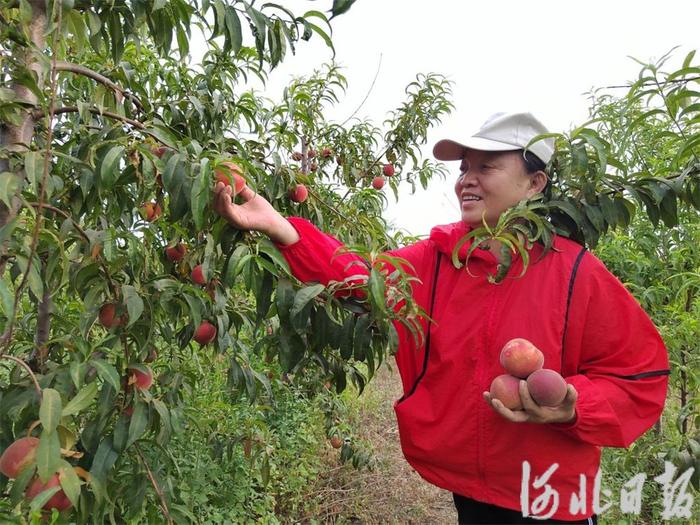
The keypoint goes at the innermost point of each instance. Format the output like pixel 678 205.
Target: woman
pixel 502 465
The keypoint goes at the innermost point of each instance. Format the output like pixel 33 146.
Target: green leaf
pixel 134 303
pixel 199 196
pixel 81 400
pixel 347 340
pixel 377 291
pixel 138 423
pixel 107 372
pixel 340 7
pixel 7 299
pixel 234 34
pixel 70 482
pixel 267 247
pixel 178 186
pixel 109 167
pixel 362 338
pixel 48 455
pixel 291 349
pixel 50 410
pixel 284 299
pixel 303 296
pixel 9 187
pixel 263 297
pixel 165 426
pixel 104 460
pixel 233 268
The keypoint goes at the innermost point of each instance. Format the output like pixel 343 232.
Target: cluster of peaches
pixel 523 360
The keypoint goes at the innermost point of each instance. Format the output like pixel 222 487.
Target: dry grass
pixel 392 492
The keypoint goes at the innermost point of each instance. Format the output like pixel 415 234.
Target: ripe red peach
pixel 378 183
pixel 142 379
pixel 58 501
pixel 520 357
pixel 299 193
pixel 228 173
pixel 388 170
pixel 505 388
pixel 198 275
pixel 205 333
pixel 547 387
pixel 18 456
pixel 176 253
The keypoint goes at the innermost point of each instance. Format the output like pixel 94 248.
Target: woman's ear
pixel 538 182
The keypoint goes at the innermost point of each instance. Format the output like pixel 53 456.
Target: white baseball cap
pixel 501 132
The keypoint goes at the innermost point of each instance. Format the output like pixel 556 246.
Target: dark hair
pixel 532 162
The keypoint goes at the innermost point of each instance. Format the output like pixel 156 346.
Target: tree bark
pixel 19 137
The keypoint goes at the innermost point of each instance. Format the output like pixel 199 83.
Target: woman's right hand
pixel 256 214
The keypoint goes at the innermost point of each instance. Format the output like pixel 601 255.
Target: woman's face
pixel 490 182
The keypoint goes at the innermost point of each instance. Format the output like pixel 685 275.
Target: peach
pixel 205 333
pixel 107 315
pixel 299 193
pixel 142 379
pixel 505 388
pixel 547 387
pixel 388 170
pixel 520 357
pixel 151 211
pixel 228 172
pixel 198 275
pixel 18 456
pixel 58 501
pixel 176 253
pixel 378 183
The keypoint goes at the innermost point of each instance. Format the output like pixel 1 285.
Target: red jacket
pixel 570 306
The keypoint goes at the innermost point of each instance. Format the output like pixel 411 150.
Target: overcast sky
pixel 538 55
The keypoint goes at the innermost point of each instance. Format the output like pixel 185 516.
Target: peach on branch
pixel 141 377
pixel 388 170
pixel 58 501
pixel 378 183
pixel 299 193
pixel 198 275
pixel 505 388
pixel 205 333
pixel 326 153
pixel 159 151
pixel 229 174
pixel 521 358
pixel 151 211
pixel 18 456
pixel 546 387
pixel 176 253
pixel 297 156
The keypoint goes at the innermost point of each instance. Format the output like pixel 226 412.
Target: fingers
pixel 246 193
pixel 515 416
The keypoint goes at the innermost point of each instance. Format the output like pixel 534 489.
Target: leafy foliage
pixel 110 148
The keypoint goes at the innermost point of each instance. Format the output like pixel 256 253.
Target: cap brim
pixel 451 150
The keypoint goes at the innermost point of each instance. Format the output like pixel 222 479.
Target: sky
pixel 542 56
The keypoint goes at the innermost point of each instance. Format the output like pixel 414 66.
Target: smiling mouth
pixel 470 198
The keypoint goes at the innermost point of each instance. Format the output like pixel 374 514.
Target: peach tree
pixel 115 269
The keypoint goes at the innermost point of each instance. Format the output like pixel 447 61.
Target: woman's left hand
pixel 534 413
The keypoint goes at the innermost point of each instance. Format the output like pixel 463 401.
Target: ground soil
pixel 392 492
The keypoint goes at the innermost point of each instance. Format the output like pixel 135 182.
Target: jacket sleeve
pixel 617 360
pixel 318 257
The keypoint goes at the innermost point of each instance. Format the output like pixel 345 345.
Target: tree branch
pixel 27 368
pixel 159 491
pixel 62 65
pixel 74 109
pixel 82 233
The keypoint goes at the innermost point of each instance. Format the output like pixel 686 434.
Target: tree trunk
pixel 19 137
